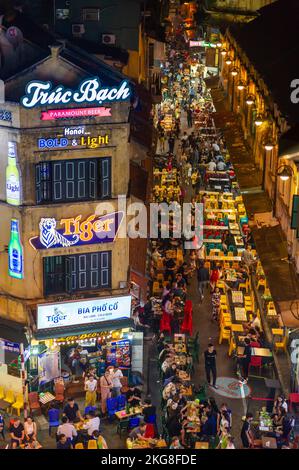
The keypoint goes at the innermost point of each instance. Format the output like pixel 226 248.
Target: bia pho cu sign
pixel 83 311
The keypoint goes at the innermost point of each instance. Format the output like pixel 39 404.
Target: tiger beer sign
pixel 77 231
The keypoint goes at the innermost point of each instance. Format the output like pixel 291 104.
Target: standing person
pixel 210 364
pixel 202 279
pixel 246 436
pixel 215 304
pixel 244 361
pixel 117 375
pixel 106 386
pixel 189 117
pixel 91 391
pixel 171 141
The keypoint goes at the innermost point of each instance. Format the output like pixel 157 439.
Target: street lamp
pixel 228 61
pixel 223 52
pixel 250 99
pixel 241 85
pixel 259 120
pixel 284 172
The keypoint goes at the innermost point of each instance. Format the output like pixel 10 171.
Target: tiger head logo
pixel 47 227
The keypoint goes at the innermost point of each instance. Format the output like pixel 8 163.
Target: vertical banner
pixel 15 252
pixel 13 180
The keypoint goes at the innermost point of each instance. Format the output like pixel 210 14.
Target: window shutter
pixel 68 274
pixel 92 179
pixel 57 181
pixel 105 268
pixel 38 188
pixel 105 177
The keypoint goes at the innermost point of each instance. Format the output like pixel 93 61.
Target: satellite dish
pixel 14 35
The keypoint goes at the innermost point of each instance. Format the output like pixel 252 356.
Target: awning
pixel 13 331
pixel 62 332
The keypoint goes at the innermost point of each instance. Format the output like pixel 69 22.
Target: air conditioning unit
pixel 108 38
pixel 78 29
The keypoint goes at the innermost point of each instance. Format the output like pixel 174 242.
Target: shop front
pixel 97 332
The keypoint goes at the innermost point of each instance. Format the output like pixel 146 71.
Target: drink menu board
pixel 118 353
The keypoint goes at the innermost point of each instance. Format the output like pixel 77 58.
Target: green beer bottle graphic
pixel 15 252
pixel 13 191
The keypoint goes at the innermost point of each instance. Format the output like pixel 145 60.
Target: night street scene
pixel 149 230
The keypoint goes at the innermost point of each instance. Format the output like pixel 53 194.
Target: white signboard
pixel 83 311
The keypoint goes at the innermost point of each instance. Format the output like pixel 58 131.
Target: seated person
pixel 139 432
pixel 72 412
pixel 102 444
pixel 255 321
pixel 63 442
pixel 133 396
pixel 93 423
pixel 32 444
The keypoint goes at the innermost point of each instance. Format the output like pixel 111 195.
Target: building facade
pixel 258 87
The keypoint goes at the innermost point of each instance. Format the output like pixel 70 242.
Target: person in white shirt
pixel 67 428
pixel 212 166
pixel 93 423
pixel 216 147
pixel 221 166
pixel 255 321
pixel 91 391
pixel 116 383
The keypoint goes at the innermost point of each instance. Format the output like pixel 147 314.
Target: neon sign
pixel 53 114
pixel 80 130
pixel 90 91
pixel 15 252
pixel 89 142
pixel 74 231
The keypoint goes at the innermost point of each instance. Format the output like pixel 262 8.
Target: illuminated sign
pixel 15 251
pixel 89 142
pixel 78 337
pixel 73 131
pixel 83 311
pixel 90 91
pixel 74 113
pixel 201 44
pixel 74 231
pixel 13 184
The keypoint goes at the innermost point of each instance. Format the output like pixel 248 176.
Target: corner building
pixel 66 167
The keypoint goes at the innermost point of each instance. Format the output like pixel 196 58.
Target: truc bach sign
pixel 83 311
pixel 90 91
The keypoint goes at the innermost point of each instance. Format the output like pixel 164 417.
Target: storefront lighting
pixel 223 52
pixel 234 72
pixel 228 61
pixel 241 85
pixel 219 44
